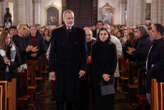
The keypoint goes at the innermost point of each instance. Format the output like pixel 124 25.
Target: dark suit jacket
pixel 142 49
pixel 68 48
pixel 155 64
pixel 67 57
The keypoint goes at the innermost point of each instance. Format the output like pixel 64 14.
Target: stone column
pixel 136 12
pixel 1 14
pixel 29 12
pixel 157 11
pixel 123 8
pixel 37 11
pixel 19 12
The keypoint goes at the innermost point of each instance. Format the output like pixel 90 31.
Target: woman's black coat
pixel 104 60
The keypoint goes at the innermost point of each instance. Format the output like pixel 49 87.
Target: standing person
pixel 103 65
pixel 155 58
pixel 67 60
pixel 117 42
pixel 99 25
pixel 21 42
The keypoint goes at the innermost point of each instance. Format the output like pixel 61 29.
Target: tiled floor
pixel 43 101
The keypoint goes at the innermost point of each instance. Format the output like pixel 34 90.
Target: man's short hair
pixel 13 27
pixel 159 28
pixel 67 11
pixel 99 21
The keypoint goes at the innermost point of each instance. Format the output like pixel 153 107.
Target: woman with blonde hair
pixel 9 63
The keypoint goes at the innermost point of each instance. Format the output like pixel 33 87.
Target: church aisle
pixel 43 100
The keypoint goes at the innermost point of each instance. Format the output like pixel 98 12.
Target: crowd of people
pixel 83 62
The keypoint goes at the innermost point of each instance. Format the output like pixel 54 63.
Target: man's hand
pixel 130 50
pixel 52 74
pixel 7 61
pixel 29 48
pixel 81 73
pixel 106 77
pixel 35 49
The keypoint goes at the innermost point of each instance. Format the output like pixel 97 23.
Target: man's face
pixel 154 32
pixel 69 19
pixel 33 31
pixel 99 25
pixel 88 35
pixel 22 29
pixel 13 31
pixel 137 34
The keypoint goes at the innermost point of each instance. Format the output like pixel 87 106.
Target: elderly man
pixel 67 60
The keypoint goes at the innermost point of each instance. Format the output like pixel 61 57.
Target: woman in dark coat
pixel 8 57
pixel 103 65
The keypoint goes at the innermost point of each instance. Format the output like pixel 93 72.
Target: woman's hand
pixel 7 61
pixel 106 77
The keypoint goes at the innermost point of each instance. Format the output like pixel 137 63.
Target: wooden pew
pixel 23 99
pixel 132 82
pixel 11 94
pixel 33 72
pixel 34 77
pixel 123 69
pixel 8 95
pixel 141 95
pixel 3 95
pixel 157 95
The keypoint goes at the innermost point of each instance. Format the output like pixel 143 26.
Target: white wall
pixel 148 1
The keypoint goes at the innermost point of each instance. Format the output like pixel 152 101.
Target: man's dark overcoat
pixel 68 53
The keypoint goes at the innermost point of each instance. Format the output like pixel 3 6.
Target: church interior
pixel 33 89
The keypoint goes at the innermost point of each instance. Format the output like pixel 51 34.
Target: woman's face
pixel 103 36
pixel 7 40
pixel 46 32
pixel 138 34
pixel 118 34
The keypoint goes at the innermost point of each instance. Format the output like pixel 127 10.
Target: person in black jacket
pixel 103 65
pixel 9 57
pixel 67 59
pixel 143 45
pixel 155 58
pixel 21 42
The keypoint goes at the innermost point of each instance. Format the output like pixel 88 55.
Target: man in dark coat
pixel 67 60
pixel 155 58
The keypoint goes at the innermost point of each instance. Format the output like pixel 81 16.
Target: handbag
pixel 107 88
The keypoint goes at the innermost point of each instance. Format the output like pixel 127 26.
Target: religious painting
pixel 148 11
pixel 106 14
pixel 52 16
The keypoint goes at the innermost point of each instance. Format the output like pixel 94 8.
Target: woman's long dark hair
pixel 103 29
pixel 143 30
